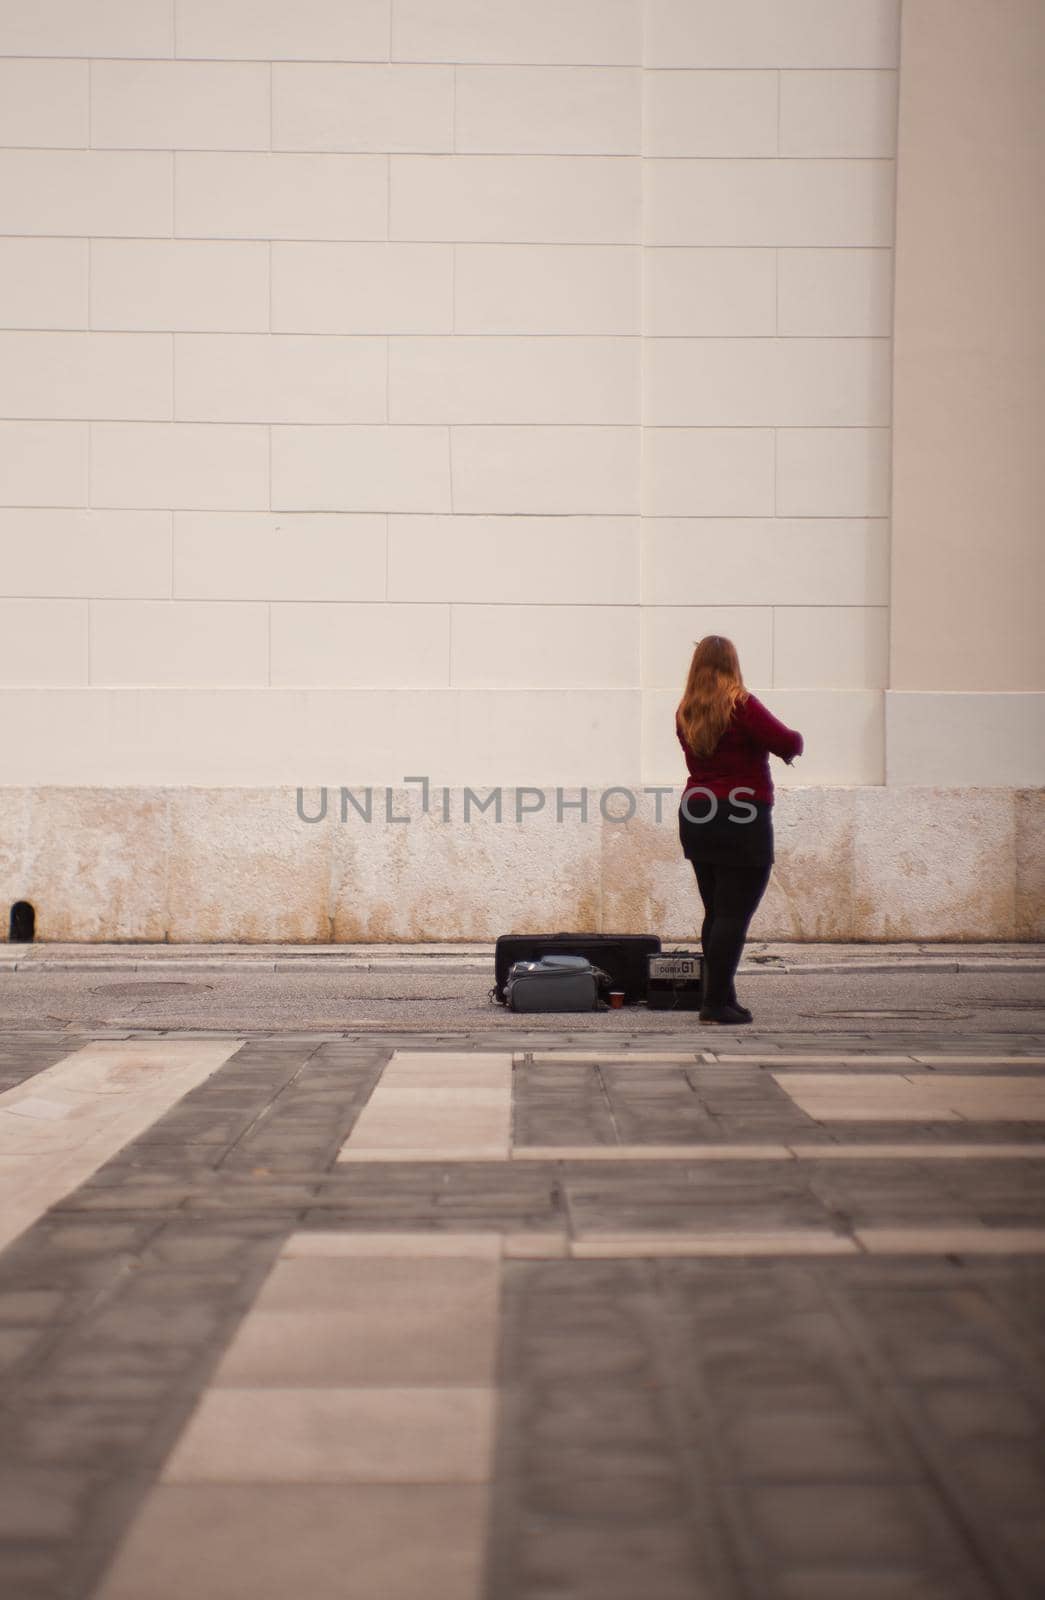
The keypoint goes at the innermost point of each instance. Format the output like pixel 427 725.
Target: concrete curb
pixel 462 965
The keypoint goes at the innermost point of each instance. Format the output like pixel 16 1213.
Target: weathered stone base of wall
pixel 209 865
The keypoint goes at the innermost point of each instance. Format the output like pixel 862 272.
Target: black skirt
pixel 727 833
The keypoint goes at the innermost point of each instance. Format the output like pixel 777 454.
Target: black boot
pixel 745 1014
pixel 726 1016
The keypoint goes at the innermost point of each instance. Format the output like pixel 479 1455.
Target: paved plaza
pixel 513 1309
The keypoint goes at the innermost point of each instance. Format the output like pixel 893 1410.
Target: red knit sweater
pixel 740 760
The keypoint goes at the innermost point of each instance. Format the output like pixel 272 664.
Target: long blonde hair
pixel 713 687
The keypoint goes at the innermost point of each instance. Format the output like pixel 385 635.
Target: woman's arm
pixel 772 735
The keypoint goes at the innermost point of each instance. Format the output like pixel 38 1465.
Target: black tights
pixel 730 892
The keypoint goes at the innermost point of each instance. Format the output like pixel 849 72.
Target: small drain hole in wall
pixel 23 923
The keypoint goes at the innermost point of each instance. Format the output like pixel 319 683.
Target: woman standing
pixel 726 814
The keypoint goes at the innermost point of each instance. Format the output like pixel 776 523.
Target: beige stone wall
pixel 968 559
pixel 403 388
pixel 224 864
pixel 397 387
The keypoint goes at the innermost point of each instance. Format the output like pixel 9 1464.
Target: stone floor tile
pixel 429 1127
pixel 595 1415
pixel 652 1152
pixel 227 1542
pixel 30 1573
pixel 479 1246
pixel 17 1344
pixel 787 1447
pixel 1023 1543
pixel 535 1246
pixel 794 1242
pixel 830 1523
pixel 475 1077
pixel 1006 1475
pixel 71 1117
pixel 769 1367
pixel 35 1306
pixel 492 1061
pixel 407 1287
pixel 585 1496
pixel 39 1502
pixel 197 1244
pixel 937 1097
pixel 897 1583
pixel 964 1412
pixel 837 1097
pixel 443 1150
pixel 563 1558
pixel 918 1151
pixel 970 1059
pixel 362 1435
pixel 568 1125
pixel 785 1058
pixel 62 1385
pixel 950 1240
pixel 388 1343
pixel 86 1434
pixel 604 1357
pixel 133 1321
pixel 698 1214
pixel 610 1058
pixel 409 1098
